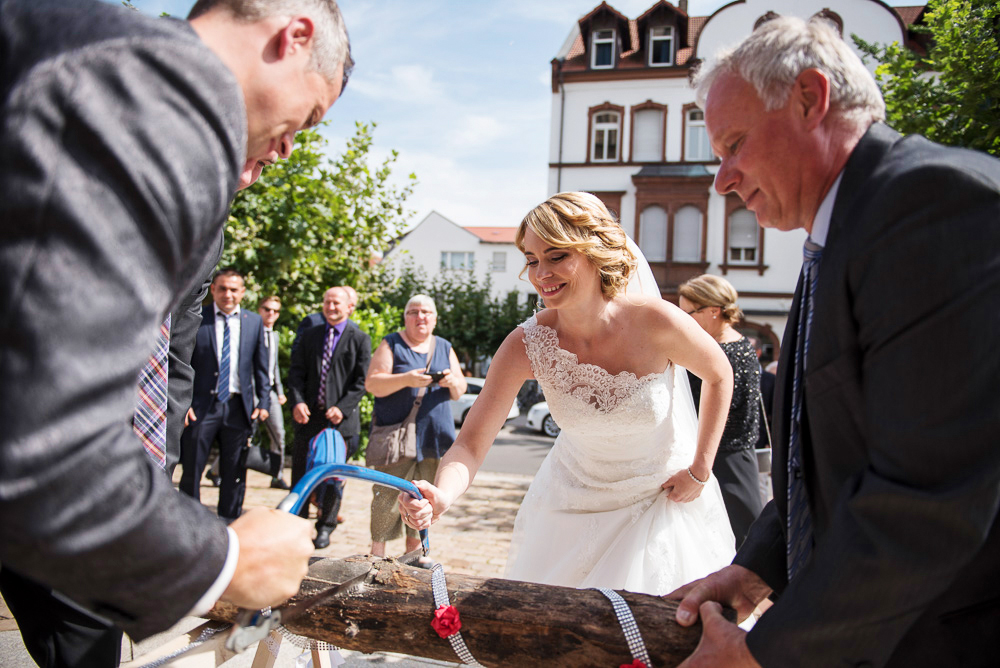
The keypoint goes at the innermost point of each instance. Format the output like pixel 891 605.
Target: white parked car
pixel 539 418
pixel 460 407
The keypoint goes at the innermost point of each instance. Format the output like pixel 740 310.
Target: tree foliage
pixel 952 94
pixel 469 316
pixel 312 222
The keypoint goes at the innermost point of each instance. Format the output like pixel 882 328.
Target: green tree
pixel 952 94
pixel 313 221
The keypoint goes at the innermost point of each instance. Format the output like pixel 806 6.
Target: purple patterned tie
pixel 150 419
pixel 331 335
pixel 800 533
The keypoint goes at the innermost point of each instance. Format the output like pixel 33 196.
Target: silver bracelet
pixel 440 591
pixel 700 482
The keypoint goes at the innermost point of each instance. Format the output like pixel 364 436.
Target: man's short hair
pixel 228 271
pixel 272 298
pixel 774 55
pixel 331 45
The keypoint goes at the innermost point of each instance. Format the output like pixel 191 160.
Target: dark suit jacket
pixel 345 384
pixel 123 136
pixel 901 448
pixel 252 369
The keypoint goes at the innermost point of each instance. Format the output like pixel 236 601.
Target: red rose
pixel 446 621
pixel 635 664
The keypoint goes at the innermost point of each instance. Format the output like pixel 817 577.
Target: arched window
pixel 605 139
pixel 697 148
pixel 647 135
pixel 653 233
pixel 744 237
pixel 687 234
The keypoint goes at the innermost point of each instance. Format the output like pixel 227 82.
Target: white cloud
pixel 407 84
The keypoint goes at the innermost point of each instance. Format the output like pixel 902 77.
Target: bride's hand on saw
pixel 421 513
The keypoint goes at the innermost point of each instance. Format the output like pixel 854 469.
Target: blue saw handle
pixel 300 493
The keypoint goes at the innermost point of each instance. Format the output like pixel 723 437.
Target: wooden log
pixel 504 622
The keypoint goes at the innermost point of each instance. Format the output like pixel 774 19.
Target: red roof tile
pixel 496 235
pixel 909 14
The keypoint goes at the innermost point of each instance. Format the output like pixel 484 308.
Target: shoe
pixel 322 539
pixel 216 480
pixel 278 483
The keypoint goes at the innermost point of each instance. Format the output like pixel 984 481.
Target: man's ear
pixel 811 97
pixel 296 35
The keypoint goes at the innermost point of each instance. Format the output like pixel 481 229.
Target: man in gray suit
pixel 882 545
pixel 269 311
pixel 125 138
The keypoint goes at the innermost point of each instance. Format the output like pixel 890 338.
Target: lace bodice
pixel 619 434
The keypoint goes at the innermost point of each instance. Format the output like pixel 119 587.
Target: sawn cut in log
pixel 504 622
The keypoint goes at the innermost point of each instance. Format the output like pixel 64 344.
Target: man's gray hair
pixel 774 55
pixel 331 45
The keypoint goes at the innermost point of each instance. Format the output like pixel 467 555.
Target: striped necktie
pixel 331 335
pixel 150 418
pixel 800 534
pixel 223 390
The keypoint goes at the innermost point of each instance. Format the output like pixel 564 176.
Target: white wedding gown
pixel 595 515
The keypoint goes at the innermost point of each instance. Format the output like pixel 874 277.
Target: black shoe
pixel 322 538
pixel 278 483
pixel 216 480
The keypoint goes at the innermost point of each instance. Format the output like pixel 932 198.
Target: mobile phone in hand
pixel 436 376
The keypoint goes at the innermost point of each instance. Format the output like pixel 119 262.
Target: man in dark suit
pixel 882 545
pixel 126 137
pixel 270 310
pixel 318 318
pixel 328 399
pixel 231 390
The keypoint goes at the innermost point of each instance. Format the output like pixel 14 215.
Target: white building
pixel 437 244
pixel 626 128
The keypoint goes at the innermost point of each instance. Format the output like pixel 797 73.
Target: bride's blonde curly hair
pixel 581 221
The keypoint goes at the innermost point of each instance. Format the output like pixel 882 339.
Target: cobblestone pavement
pixel 471 539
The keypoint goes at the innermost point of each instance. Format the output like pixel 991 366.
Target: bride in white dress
pixel 625 498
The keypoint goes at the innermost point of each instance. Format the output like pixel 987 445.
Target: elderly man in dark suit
pixel 125 137
pixel 326 381
pixel 231 390
pixel 882 545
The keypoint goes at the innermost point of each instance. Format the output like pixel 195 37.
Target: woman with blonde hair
pixel 711 301
pixel 625 499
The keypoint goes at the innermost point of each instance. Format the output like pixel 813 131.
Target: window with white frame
pixel 602 49
pixel 661 46
pixel 687 234
pixel 744 237
pixel 499 263
pixel 697 148
pixel 653 233
pixel 647 136
pixel 606 136
pixel 457 260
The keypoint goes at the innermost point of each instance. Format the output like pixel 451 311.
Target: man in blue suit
pixel 230 367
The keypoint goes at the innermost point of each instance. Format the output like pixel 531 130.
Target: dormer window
pixel 602 49
pixel 606 136
pixel 661 46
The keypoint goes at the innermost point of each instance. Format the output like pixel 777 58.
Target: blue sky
pixel 461 89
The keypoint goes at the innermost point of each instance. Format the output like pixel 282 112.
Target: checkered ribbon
pixel 150 418
pixel 440 590
pixel 800 535
pixel 331 335
pixel 631 630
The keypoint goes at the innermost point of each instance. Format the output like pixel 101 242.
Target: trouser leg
pixel 232 439
pixel 56 634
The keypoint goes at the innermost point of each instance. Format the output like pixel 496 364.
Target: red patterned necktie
pixel 150 420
